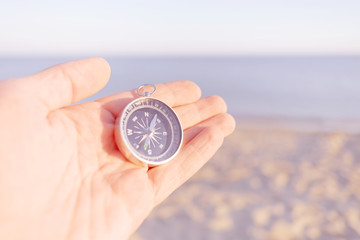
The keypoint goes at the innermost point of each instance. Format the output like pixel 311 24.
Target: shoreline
pixel 297 124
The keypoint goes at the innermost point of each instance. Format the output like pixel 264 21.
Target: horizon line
pixel 279 55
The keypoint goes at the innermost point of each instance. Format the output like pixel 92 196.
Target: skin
pixel 62 175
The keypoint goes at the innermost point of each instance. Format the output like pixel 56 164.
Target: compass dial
pixel 151 130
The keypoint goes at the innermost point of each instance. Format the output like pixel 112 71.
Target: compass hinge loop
pixel 141 90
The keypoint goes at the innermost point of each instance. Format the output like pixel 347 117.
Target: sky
pixel 196 27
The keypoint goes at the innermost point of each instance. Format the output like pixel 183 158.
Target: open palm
pixel 62 175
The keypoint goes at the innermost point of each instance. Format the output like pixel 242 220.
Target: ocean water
pixel 299 87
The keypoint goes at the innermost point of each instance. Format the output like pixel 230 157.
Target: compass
pixel 150 129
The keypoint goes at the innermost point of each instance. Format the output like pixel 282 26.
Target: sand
pixel 272 179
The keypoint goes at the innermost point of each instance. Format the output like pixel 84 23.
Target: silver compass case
pixel 150 131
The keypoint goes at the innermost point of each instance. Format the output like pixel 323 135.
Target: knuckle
pixel 214 134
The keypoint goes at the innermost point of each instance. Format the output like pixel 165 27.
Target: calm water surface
pixel 323 87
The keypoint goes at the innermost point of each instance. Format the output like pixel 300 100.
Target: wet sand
pixel 272 179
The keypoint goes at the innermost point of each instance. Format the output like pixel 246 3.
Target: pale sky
pixel 196 27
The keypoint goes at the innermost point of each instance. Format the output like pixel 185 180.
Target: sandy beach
pixel 272 179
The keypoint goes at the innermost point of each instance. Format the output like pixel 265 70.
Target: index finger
pixel 173 93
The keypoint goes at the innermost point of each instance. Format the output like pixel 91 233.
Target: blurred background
pixel 289 71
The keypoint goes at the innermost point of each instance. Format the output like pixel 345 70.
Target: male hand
pixel 62 175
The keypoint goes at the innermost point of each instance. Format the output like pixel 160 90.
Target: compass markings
pixel 149 132
pixel 152 142
pixel 142 120
pixel 140 124
pixel 155 136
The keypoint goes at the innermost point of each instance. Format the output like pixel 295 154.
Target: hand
pixel 62 175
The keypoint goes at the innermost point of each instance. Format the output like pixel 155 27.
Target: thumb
pixel 66 83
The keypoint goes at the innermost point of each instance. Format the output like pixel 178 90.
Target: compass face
pixel 151 130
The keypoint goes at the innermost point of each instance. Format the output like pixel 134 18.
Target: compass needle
pixel 143 138
pixel 153 123
pixel 147 142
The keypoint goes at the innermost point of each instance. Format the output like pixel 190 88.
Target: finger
pixel 173 93
pixel 200 144
pixel 69 82
pixel 224 121
pixel 192 114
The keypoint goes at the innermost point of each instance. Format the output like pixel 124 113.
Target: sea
pixel 317 87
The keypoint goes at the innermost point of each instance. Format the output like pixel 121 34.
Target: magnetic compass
pixel 150 129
